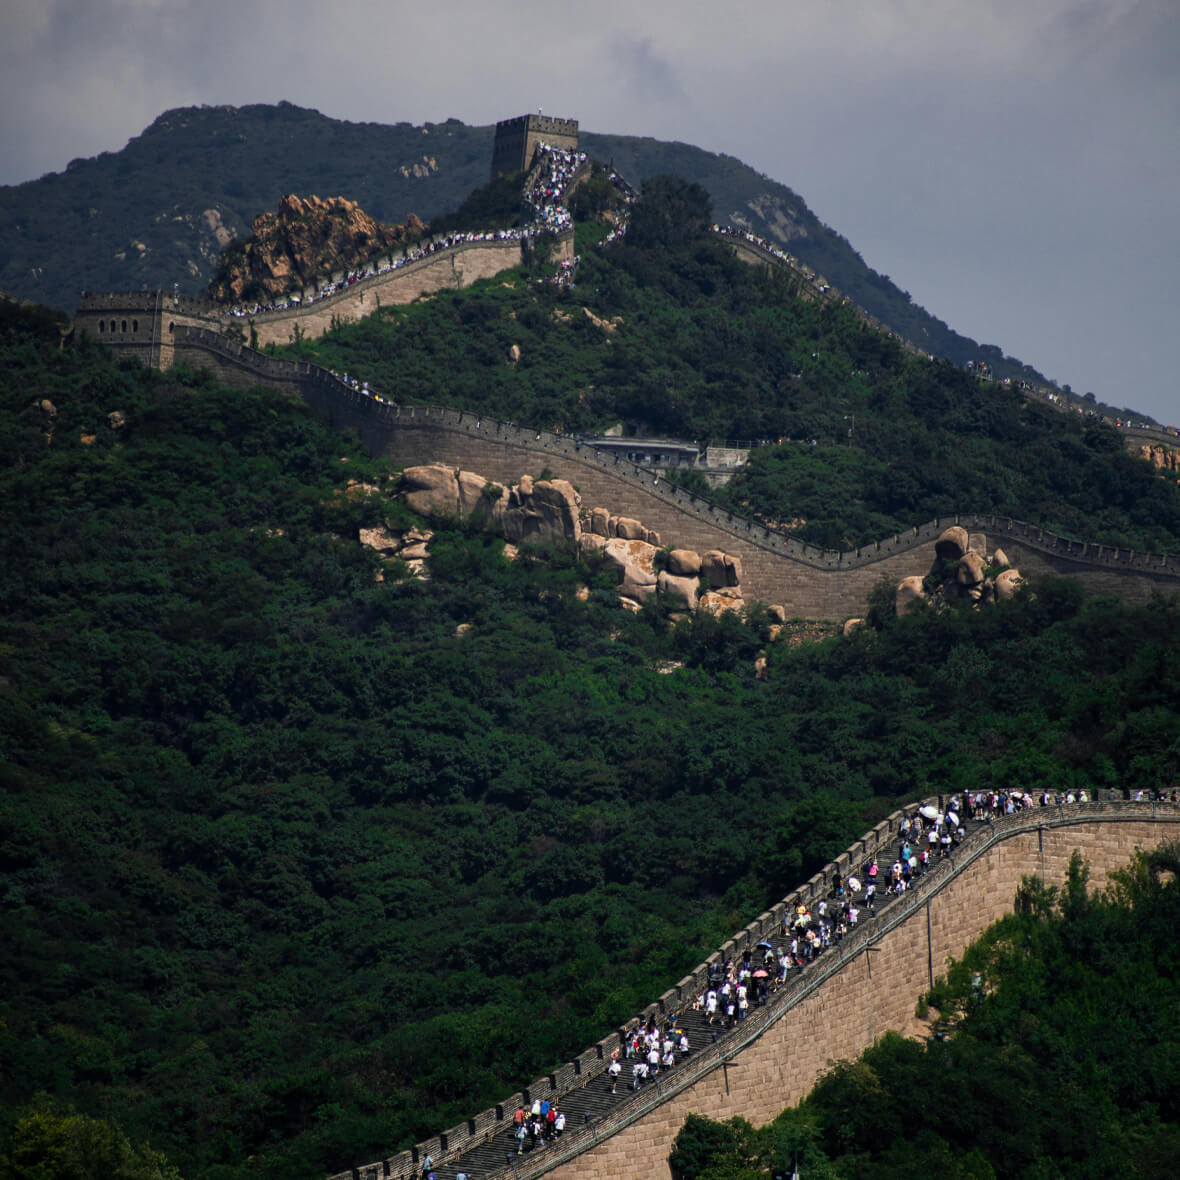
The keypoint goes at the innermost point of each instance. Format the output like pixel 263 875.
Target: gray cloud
pixel 1012 165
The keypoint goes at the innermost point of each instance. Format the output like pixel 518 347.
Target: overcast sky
pixel 1013 164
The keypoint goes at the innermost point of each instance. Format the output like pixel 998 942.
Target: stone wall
pixel 809 582
pixel 843 1003
pixel 449 270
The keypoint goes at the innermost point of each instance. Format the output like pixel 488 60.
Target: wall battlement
pixel 808 581
pixel 517 139
pixel 835 1009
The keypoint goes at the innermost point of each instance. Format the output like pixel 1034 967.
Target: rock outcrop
pixel 536 511
pixel 547 511
pixel 1163 457
pixel 303 241
pixel 962 569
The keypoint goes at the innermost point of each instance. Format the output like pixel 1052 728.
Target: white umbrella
pixel 952 818
pixel 928 812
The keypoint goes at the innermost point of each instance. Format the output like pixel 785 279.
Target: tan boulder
pixel 464 629
pixel 651 537
pixel 472 498
pixel 47 407
pixel 714 569
pixel 628 528
pixel 415 552
pixel 851 626
pixel 633 559
pixel 952 543
pixel 431 490
pixel 1000 559
pixel 910 592
pixel 514 354
pixel 542 511
pixel 717 603
pixel 635 587
pixel 1007 583
pixel 970 570
pixel 382 540
pixel 116 419
pixel 599 521
pixel 684 563
pixel 777 613
pixel 591 543
pixel 760 672
pixel 684 589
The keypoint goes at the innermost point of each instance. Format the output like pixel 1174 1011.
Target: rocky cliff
pixel 306 239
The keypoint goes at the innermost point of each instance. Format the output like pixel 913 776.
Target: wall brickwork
pixel 843 1003
pixel 450 270
pixel 869 992
pixel 809 582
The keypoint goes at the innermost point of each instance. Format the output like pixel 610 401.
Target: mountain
pixel 160 211
pixel 302 863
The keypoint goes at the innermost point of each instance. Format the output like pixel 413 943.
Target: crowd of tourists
pixel 555 168
pixel 326 288
pixel 540 1123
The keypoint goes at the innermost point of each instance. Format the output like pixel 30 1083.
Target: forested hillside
pixel 296 870
pixel 1054 1055
pixel 671 336
pixel 159 211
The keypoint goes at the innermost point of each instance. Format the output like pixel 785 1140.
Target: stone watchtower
pixel 517 139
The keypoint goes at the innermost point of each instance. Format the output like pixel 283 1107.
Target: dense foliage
pixel 295 872
pixel 146 216
pixel 1055 1056
pixel 706 347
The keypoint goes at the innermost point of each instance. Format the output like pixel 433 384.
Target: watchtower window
pixel 102 326
pixel 171 325
pixel 114 326
pixel 124 325
pixel 135 325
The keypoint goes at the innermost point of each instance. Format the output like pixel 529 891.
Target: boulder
pixel 415 552
pixel 635 587
pixel 382 540
pixel 47 407
pixel 714 569
pixel 599 521
pixel 952 543
pixel 431 490
pixel 514 354
pixel 970 570
pixel 628 528
pixel 541 511
pixel 717 603
pixel 760 667
pixel 472 498
pixel 116 419
pixel 910 592
pixel 651 537
pixel 684 563
pixel 1000 559
pixel 1007 583
pixel 633 559
pixel 777 613
pixel 684 589
pixel 851 626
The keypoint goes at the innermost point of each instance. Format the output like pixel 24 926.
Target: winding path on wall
pixel 834 1009
pixel 808 582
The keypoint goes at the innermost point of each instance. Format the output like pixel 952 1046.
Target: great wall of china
pixel 809 582
pixel 854 993
pixel 835 1008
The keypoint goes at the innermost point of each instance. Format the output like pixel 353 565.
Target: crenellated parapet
pixel 833 1010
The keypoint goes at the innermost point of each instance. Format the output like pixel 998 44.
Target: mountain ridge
pixel 114 221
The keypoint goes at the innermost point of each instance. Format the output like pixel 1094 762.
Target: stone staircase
pixel 592 1102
